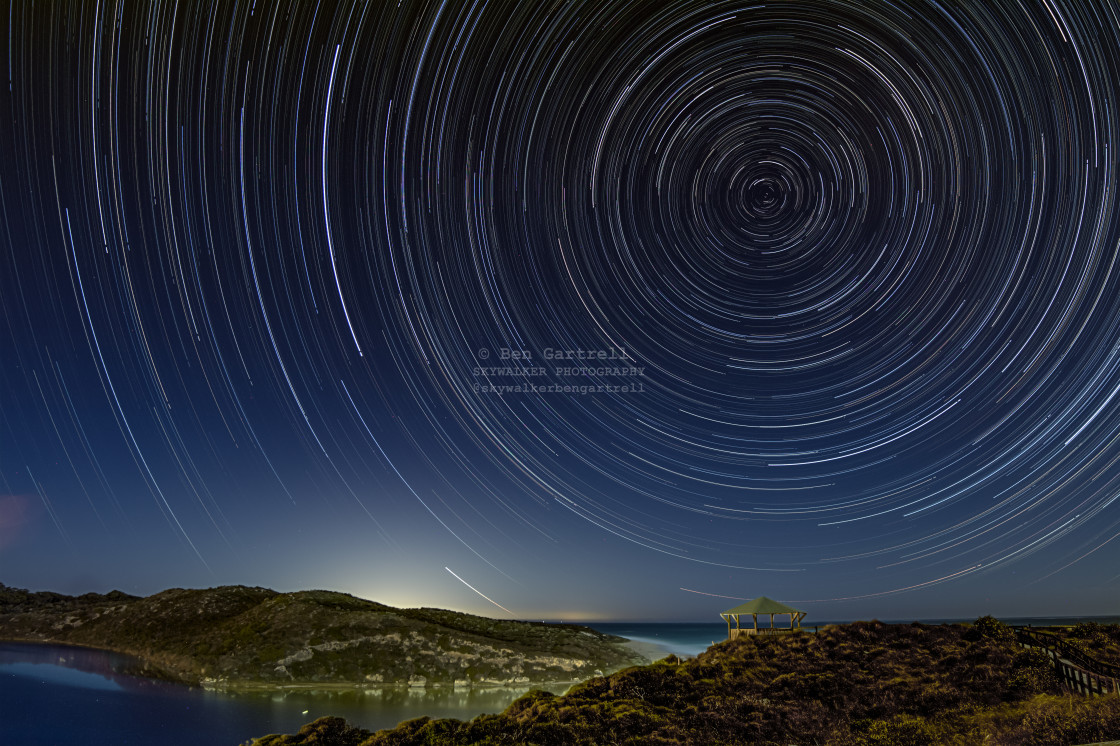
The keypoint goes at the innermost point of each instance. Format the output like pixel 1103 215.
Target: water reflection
pixel 75 666
pixel 374 709
pixel 51 694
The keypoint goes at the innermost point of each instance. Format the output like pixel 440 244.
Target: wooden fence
pixel 1079 672
pixel 733 633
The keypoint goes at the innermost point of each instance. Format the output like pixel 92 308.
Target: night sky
pixel 566 310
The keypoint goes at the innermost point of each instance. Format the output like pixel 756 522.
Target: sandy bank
pixel 651 651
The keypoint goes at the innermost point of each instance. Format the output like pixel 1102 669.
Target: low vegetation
pixel 1100 642
pixel 863 684
pixel 236 636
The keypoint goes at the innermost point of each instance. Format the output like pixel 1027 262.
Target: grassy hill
pixel 238 636
pixel 864 684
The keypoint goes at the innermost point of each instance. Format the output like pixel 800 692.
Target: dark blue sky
pixel 608 310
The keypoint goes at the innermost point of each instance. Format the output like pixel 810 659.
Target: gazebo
pixel 761 605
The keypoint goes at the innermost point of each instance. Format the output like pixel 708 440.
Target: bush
pixel 328 731
pixel 1063 721
pixel 1091 632
pixel 1032 673
pixel 989 626
pixel 902 730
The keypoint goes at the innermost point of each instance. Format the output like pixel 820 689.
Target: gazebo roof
pixel 762 605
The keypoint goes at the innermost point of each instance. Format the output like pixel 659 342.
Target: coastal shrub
pixel 327 731
pixel 1032 673
pixel 1063 721
pixel 901 730
pixel 935 697
pixel 989 626
pixel 1098 641
pixel 867 684
pixel 1091 632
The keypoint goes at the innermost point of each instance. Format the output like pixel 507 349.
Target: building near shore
pixel 761 606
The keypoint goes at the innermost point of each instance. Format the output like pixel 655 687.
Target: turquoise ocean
pixel 688 639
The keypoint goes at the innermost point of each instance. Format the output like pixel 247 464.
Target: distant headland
pixel 242 637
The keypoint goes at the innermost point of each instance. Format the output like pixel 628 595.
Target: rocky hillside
pixel 863 684
pixel 237 636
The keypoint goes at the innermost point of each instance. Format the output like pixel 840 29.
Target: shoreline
pixel 651 651
pixel 648 652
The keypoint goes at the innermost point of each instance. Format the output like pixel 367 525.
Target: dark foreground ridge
pixel 863 684
pixel 236 636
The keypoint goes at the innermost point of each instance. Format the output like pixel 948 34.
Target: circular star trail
pixel 810 288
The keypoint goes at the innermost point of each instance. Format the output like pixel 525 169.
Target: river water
pixel 52 695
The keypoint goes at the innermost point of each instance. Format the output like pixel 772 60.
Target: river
pixel 51 695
